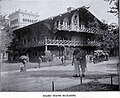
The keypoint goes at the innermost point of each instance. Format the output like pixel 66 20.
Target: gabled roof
pixel 53 17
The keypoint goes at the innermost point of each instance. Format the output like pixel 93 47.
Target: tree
pixel 115 8
pixel 5 34
pixel 48 55
pixel 115 11
pixel 110 38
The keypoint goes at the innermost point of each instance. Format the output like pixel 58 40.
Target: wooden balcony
pixel 76 28
pixel 31 44
pixel 63 42
pixel 91 43
pixel 51 42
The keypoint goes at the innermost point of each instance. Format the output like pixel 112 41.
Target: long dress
pixel 83 62
pixel 76 67
pixel 39 62
pixel 81 58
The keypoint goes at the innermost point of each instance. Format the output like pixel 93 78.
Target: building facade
pixel 21 18
pixel 59 34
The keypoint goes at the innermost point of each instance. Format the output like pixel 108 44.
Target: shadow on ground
pixel 92 86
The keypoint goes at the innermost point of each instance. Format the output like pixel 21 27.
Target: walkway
pixel 36 79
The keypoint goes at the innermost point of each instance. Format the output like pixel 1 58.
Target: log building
pixel 58 34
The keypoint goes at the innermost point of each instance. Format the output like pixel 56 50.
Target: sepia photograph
pixel 59 46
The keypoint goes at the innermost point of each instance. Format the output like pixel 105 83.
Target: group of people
pixel 79 62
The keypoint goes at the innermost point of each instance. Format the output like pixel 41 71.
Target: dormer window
pixel 57 23
pixel 65 22
pixel 75 21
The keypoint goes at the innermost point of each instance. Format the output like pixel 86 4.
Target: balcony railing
pixel 68 43
pixel 76 28
pixel 51 42
pixel 31 44
pixel 91 43
pixel 63 42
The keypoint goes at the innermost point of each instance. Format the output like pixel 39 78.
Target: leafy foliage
pixel 48 55
pixel 115 8
pixel 5 33
pixel 110 38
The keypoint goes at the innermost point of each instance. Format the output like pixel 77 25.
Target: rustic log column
pixel 46 48
pixel 64 55
pixel 119 73
pixel 119 58
pixel 118 69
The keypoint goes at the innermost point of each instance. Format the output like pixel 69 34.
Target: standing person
pixel 106 56
pixel 83 62
pixel 79 61
pixel 76 63
pixel 39 61
pixel 21 67
pixel 95 57
pixel 24 60
pixel 24 64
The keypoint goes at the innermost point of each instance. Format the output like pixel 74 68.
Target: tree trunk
pixel 118 70
pixel 0 69
pixel 119 74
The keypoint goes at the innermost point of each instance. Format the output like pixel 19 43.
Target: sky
pixel 48 8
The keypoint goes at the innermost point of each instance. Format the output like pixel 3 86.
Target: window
pixel 24 41
pixel 23 19
pixel 65 22
pixel 75 20
pixel 34 39
pixel 29 20
pixel 36 54
pixel 57 23
pixel 28 40
pixel 14 21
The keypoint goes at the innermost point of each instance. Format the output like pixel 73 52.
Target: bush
pixel 48 56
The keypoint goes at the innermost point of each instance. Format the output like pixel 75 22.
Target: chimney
pixel 70 8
